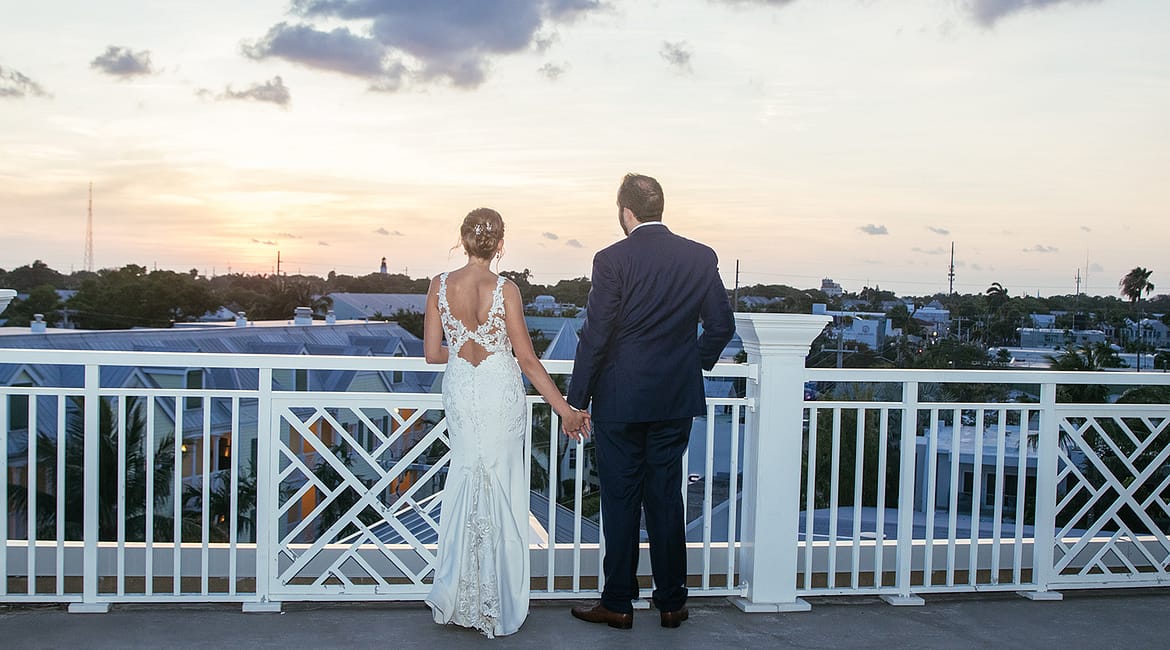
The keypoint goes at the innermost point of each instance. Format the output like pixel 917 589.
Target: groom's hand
pixel 576 425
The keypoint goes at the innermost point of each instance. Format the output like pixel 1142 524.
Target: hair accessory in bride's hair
pixel 481 228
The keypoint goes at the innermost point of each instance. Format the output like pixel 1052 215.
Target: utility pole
pixel 735 291
pixel 88 263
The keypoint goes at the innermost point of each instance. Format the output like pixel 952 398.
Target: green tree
pixel 132 297
pixel 291 293
pixel 411 321
pixel 1133 286
pixel 25 278
pixel 1087 358
pixel 523 282
pixel 575 291
pixel 42 300
pixel 902 318
pixel 219 504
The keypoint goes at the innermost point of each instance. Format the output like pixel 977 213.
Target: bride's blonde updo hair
pixel 481 232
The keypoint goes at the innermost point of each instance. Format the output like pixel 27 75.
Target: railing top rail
pixel 1004 376
pixel 273 361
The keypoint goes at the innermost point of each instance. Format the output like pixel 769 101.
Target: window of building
pixel 194 382
pixel 223 453
pixel 18 409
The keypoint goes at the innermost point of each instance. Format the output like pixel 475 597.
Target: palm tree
pixel 1087 358
pixel 997 298
pixel 1135 283
pixel 997 295
pixel 134 480
pixel 1132 286
pixel 219 503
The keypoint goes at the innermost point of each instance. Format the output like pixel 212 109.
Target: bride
pixel 482 575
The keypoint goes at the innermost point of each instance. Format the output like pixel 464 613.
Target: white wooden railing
pixel 339 499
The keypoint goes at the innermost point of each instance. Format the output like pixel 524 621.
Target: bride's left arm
pixel 433 348
pixel 530 365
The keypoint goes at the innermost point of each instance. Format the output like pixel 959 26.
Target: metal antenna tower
pixel 951 273
pixel 88 263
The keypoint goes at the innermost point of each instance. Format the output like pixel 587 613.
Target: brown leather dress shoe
pixel 599 614
pixel 675 618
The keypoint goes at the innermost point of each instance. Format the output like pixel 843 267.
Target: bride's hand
pixel 576 424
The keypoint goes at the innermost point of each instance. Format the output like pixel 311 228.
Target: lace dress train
pixel 482 573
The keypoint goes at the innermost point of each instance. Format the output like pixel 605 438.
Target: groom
pixel 639 361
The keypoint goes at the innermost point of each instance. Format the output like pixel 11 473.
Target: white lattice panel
pixel 1112 521
pixel 356 481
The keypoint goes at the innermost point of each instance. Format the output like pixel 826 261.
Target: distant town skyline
pixel 848 139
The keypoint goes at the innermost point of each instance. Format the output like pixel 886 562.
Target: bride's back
pixel 470 296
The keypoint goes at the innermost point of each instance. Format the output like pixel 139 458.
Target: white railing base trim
pixel 89 608
pixel 903 601
pixel 641 603
pixel 263 607
pixel 748 607
pixel 1041 595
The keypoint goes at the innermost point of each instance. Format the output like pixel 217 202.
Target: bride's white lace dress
pixel 481 579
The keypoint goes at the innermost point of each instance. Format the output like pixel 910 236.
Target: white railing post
pixel 267 530
pixel 1044 525
pixel 907 449
pixel 777 344
pixel 89 528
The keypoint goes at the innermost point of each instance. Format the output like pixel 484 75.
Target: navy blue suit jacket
pixel 640 355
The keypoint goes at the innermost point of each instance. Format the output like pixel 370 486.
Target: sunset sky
pixel 851 139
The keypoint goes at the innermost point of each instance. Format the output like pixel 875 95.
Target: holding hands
pixel 576 424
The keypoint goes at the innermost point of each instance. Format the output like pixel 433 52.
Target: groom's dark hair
pixel 642 195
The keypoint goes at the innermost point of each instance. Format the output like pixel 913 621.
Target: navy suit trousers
pixel 639 466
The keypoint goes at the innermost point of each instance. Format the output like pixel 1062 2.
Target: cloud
pixel 932 251
pixel 15 84
pixel 272 92
pixel 266 242
pixel 339 50
pixel 938 231
pixel 122 62
pixel 1096 268
pixel 1040 248
pixel 551 71
pixel 287 235
pixel 549 235
pixel 1086 229
pixel 989 12
pixel 871 229
pixel 678 55
pixel 573 243
pixel 976 267
pixel 392 43
pixel 322 243
pixel 388 233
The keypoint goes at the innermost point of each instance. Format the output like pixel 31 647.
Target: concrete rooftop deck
pixel 1086 619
